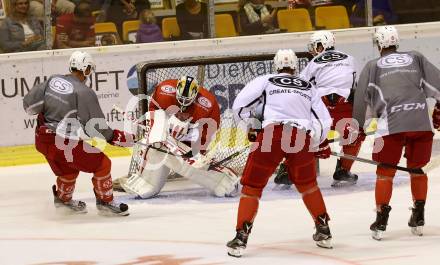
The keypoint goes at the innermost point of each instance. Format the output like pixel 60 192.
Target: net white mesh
pixel 224 77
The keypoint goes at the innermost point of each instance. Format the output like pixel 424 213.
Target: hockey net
pixel 224 76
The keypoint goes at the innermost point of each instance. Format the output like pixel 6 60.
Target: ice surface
pixel 185 225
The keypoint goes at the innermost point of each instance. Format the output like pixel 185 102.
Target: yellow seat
pixel 106 28
pixel 129 30
pixel 224 26
pixel 170 28
pixel 294 20
pixel 331 17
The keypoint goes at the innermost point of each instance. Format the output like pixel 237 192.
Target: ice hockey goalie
pixel 182 120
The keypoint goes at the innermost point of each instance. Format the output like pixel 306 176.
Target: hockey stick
pixel 335 140
pixel 235 154
pixel 372 162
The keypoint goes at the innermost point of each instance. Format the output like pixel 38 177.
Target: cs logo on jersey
pixel 290 82
pixel 61 86
pixel 395 60
pixel 168 89
pixel 331 56
pixel 204 102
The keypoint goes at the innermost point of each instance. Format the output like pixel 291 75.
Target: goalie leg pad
pixel 221 181
pixel 150 181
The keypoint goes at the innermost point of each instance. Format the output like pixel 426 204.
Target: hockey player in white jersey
pixel 182 113
pixel 290 109
pixel 334 74
pixel 394 89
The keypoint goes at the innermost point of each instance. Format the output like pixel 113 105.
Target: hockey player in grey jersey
pixel 65 105
pixel 394 89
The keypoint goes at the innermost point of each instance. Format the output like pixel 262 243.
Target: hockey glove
pixel 252 135
pixel 436 116
pixel 354 136
pixel 324 150
pixel 178 127
pixel 122 139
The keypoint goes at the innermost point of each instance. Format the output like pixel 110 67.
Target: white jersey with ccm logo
pixel 284 98
pixel 331 72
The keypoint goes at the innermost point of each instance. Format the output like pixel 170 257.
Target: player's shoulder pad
pixel 167 87
pixel 205 98
pixel 290 81
pixel 330 56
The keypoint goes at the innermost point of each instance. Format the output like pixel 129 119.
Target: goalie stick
pixel 372 162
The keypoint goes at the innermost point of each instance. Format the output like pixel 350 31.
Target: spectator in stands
pixel 109 39
pixel 148 31
pixel 77 29
pixel 58 8
pixel 118 11
pixel 256 17
pixel 192 18
pixel 19 31
pixel 382 13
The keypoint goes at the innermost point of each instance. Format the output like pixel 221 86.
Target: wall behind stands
pixel 115 73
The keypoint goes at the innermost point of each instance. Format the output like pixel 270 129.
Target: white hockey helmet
pixel 386 36
pixel 80 60
pixel 285 59
pixel 325 37
pixel 187 90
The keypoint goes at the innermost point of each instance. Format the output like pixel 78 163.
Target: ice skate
pixel 343 177
pixel 322 236
pixel 417 219
pixel 380 225
pixel 282 177
pixel 237 245
pixel 69 207
pixel 111 208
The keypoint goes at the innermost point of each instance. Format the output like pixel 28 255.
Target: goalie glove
pixel 122 139
pixel 436 116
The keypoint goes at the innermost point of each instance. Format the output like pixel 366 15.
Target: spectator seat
pixel 224 26
pixel 294 20
pixel 170 28
pixel 129 30
pixel 331 17
pixel 106 28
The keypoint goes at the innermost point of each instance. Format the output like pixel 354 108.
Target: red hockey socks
pixel 419 187
pixel 102 181
pixel 384 190
pixel 312 198
pixel 66 186
pixel 351 149
pixel 248 206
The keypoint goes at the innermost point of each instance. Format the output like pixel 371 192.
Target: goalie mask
pixel 187 90
pixel 323 37
pixel 285 59
pixel 386 36
pixel 81 61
